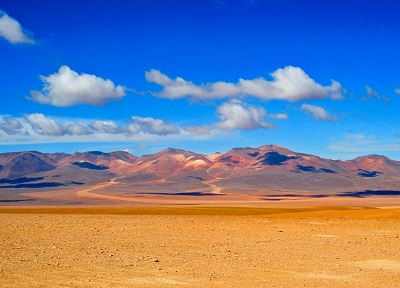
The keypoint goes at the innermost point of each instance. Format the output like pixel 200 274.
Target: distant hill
pixel 240 170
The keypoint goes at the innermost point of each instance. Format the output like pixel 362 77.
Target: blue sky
pixel 320 77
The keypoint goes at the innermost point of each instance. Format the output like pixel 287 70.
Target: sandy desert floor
pixel 199 247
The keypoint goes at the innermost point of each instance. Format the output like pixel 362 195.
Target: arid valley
pixel 199 247
pixel 212 143
pixel 251 217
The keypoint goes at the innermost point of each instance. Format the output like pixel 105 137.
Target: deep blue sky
pixel 355 43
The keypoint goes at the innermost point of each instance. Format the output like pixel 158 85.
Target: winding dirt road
pixel 88 192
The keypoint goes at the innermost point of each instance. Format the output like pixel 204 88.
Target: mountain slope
pixel 240 170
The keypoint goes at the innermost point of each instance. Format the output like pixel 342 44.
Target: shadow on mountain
pixel 228 159
pixel 35 185
pixel 306 168
pixel 183 194
pixel 16 200
pixel 277 197
pixel 254 154
pixel 365 173
pixel 99 153
pixel 360 194
pixel 20 180
pixel 196 177
pixel 312 169
pixel 89 165
pixel 274 158
pixel 368 193
pixel 328 170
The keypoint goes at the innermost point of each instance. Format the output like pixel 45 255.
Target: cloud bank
pixel 38 124
pixel 12 31
pixel 289 84
pixel 10 126
pixel 38 128
pixel 68 88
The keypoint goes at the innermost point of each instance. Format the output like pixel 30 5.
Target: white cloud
pixel 361 143
pixel 108 127
pixel 10 125
pixel 44 125
pixel 237 115
pixel 68 88
pixel 371 93
pixel 180 88
pixel 12 31
pixel 289 84
pixel 397 91
pixel 150 125
pixel 318 113
pixel 78 129
pixel 280 116
pixel 202 130
pixel 37 128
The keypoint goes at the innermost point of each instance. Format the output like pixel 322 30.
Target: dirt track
pixel 199 247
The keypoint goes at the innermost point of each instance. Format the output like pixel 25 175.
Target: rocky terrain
pixel 199 247
pixel 266 173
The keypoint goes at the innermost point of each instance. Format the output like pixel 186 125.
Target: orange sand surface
pixel 199 247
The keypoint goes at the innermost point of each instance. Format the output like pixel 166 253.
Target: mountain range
pixel 270 172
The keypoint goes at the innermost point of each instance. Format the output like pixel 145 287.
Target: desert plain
pixel 262 217
pixel 200 246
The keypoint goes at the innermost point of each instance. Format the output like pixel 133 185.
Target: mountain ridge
pixel 238 157
pixel 243 171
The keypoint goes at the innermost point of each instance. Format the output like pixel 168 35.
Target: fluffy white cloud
pixel 289 84
pixel 397 91
pixel 318 113
pixel 44 125
pixel 12 31
pixel 151 126
pixel 108 127
pixel 68 88
pixel 180 88
pixel 237 115
pixel 10 125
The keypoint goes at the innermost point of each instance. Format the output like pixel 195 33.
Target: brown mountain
pixel 246 171
pixel 19 164
pixel 171 161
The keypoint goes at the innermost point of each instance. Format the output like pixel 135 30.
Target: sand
pixel 199 247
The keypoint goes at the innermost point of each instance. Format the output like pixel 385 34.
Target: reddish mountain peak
pixel 238 162
pixel 175 151
pixel 376 163
pixel 276 148
pixel 124 156
pixel 371 157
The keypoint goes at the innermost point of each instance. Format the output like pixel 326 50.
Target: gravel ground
pixel 224 248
